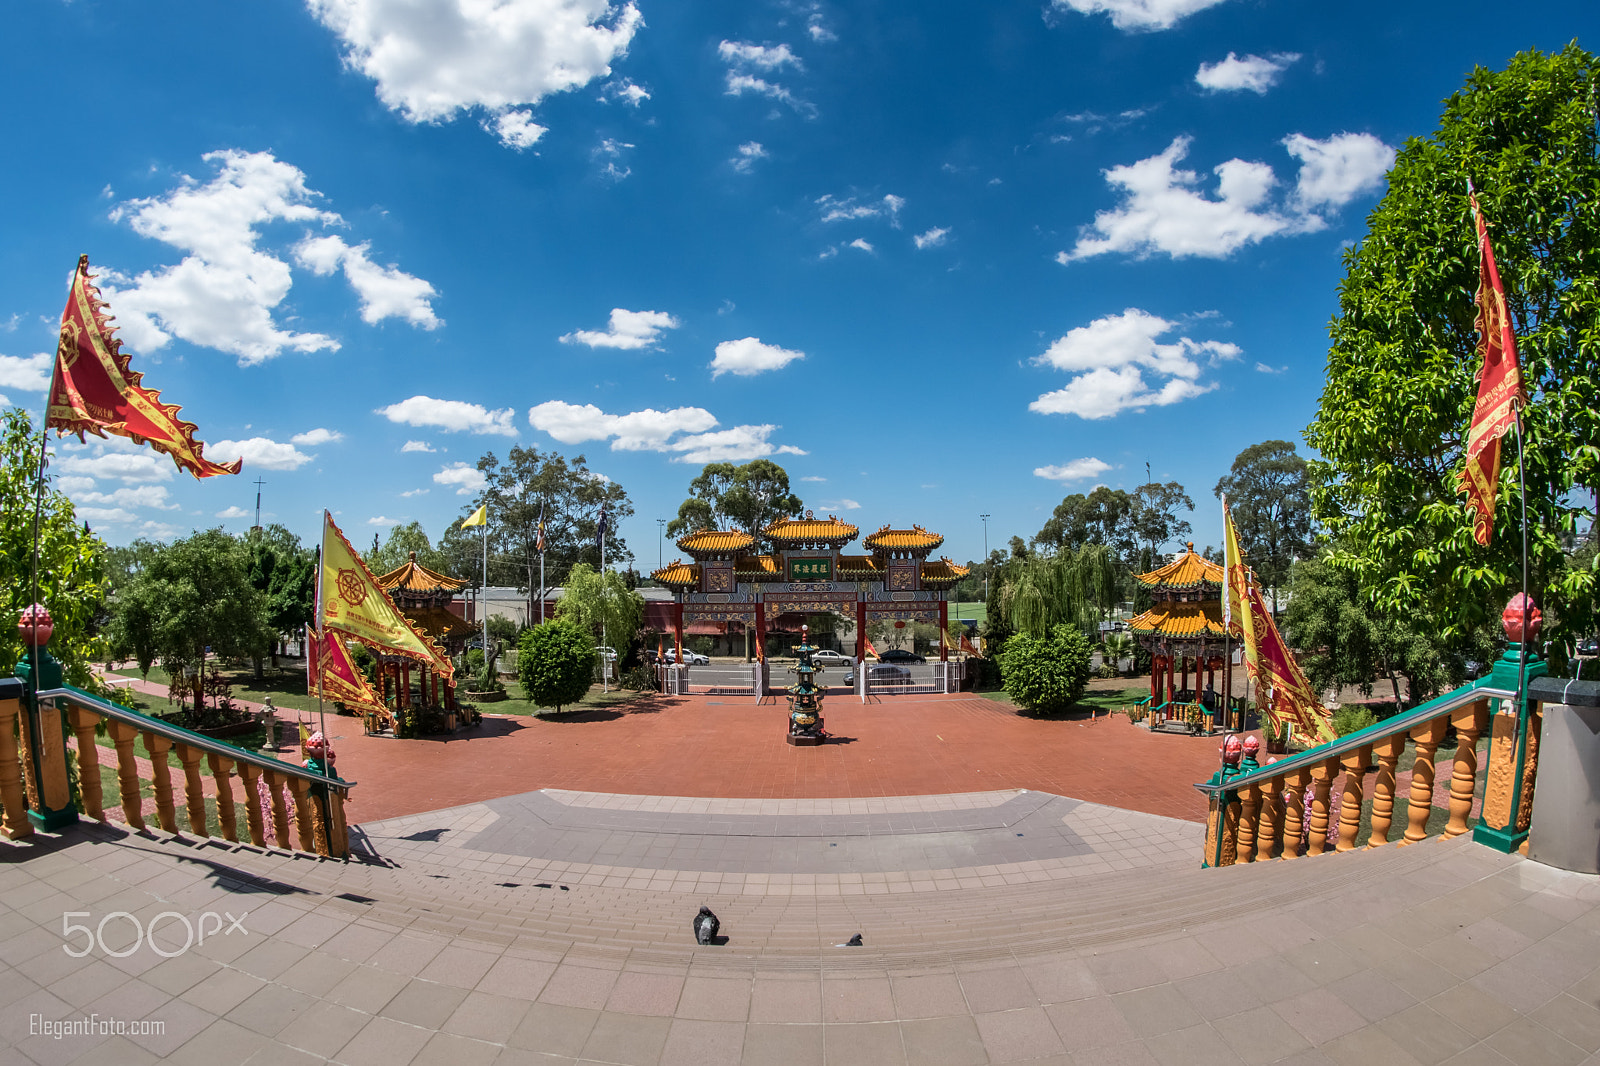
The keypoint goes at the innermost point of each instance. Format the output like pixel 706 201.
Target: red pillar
pixel 405 684
pixel 861 631
pixel 1155 678
pixel 1185 659
pixel 761 632
pixel 677 630
pixel 1169 679
pixel 944 624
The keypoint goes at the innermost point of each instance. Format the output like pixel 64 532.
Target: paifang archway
pixel 807 571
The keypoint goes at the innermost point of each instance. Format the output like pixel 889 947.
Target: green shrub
pixel 1347 720
pixel 1046 675
pixel 638 679
pixel 474 661
pixel 502 628
pixel 555 663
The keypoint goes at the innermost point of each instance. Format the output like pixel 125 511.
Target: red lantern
pixel 899 625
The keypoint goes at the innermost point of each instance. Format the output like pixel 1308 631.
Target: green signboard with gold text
pixel 810 569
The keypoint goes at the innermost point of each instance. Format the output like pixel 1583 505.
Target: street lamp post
pixel 661 539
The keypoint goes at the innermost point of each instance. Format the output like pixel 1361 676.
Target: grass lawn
pixel 518 703
pixel 980 611
pixel 1099 701
pixel 286 685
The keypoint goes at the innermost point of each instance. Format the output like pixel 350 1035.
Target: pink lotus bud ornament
pixel 1511 619
pixel 35 626
pixel 1231 750
pixel 1252 745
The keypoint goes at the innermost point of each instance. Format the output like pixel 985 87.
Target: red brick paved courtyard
pixel 727 746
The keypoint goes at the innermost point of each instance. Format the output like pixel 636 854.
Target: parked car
pixel 829 657
pixel 882 674
pixel 690 658
pixel 609 653
pixel 900 655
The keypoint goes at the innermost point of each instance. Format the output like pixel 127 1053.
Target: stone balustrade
pixel 271 789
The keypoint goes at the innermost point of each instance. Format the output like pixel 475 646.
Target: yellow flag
pixel 350 602
pixel 476 518
pixel 1237 576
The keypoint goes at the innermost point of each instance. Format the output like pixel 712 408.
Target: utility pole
pixel 986 567
pixel 259 483
pixel 661 539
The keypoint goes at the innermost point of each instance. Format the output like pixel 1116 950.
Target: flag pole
pixel 483 586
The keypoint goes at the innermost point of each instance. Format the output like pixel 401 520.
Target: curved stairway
pixel 1108 944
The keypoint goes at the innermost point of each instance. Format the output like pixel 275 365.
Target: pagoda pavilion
pixel 1184 628
pixel 808 572
pixel 424 597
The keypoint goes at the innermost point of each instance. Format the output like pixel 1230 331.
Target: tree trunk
pixel 275 643
pixel 1394 682
pixel 200 683
pixel 256 659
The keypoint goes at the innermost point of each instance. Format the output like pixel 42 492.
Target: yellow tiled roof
pixel 1185 572
pixel 412 576
pixel 440 624
pixel 913 538
pixel 811 529
pixel 860 564
pixel 942 572
pixel 678 572
pixel 716 540
pixel 1182 620
pixel 760 566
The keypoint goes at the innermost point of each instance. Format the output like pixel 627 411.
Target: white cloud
pixel 466 479
pixel 233 512
pixel 380 520
pixel 1255 74
pixel 625 90
pixel 1073 470
pixel 861 244
pixel 453 416
pixel 819 479
pixel 131 496
pixel 313 437
pixel 1111 355
pixel 223 293
pixel 748 356
pixel 1263 368
pixel 829 252
pixel 105 515
pixel 687 430
pixel 740 83
pixel 516 129
pixel 73 483
pixel 260 453
pixel 646 430
pixel 31 373
pixel 1135 15
pixel 849 209
pixel 414 492
pixel 819 33
pixel 385 292
pixel 1162 210
pixel 1335 171
pixel 5 401
pixel 842 505
pixel 628 330
pixel 749 153
pixel 120 466
pixel 433 58
pixel 417 446
pixel 764 58
pixel 931 239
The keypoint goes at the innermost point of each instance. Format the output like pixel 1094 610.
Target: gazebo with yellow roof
pixel 807 571
pixel 424 597
pixel 1183 626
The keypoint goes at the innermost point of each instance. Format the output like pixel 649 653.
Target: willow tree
pixel 1392 420
pixel 1073 588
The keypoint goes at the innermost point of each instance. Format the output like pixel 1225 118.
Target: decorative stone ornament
pixel 35 625
pixel 1511 619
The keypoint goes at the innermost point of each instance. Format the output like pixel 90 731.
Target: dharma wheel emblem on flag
pixel 351 588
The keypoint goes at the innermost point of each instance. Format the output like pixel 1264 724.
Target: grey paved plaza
pixel 554 927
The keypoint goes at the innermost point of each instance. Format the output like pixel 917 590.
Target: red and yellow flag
pixel 351 602
pixel 333 675
pixel 1500 389
pixel 1267 658
pixel 93 391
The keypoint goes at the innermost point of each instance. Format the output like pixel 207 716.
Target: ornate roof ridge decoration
pixel 763 566
pixel 942 573
pixel 811 530
pixel 716 542
pixel 1180 621
pixel 915 539
pixel 678 572
pixel 412 577
pixel 1189 570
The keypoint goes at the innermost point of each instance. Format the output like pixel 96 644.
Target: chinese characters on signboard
pixel 810 569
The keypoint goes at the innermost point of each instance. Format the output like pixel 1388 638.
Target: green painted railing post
pixel 1499 828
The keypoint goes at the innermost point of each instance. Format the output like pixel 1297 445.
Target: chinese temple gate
pixel 1182 629
pixel 807 572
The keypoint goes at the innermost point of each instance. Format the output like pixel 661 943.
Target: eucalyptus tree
pixel 1270 499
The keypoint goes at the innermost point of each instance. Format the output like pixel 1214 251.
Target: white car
pixel 690 658
pixel 829 657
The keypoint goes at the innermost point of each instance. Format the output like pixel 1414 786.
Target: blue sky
pixel 935 259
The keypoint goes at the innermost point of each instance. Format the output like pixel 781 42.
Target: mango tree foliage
pixel 1392 420
pixel 71 559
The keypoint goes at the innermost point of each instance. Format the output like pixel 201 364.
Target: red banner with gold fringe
pixel 1500 389
pixel 93 391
